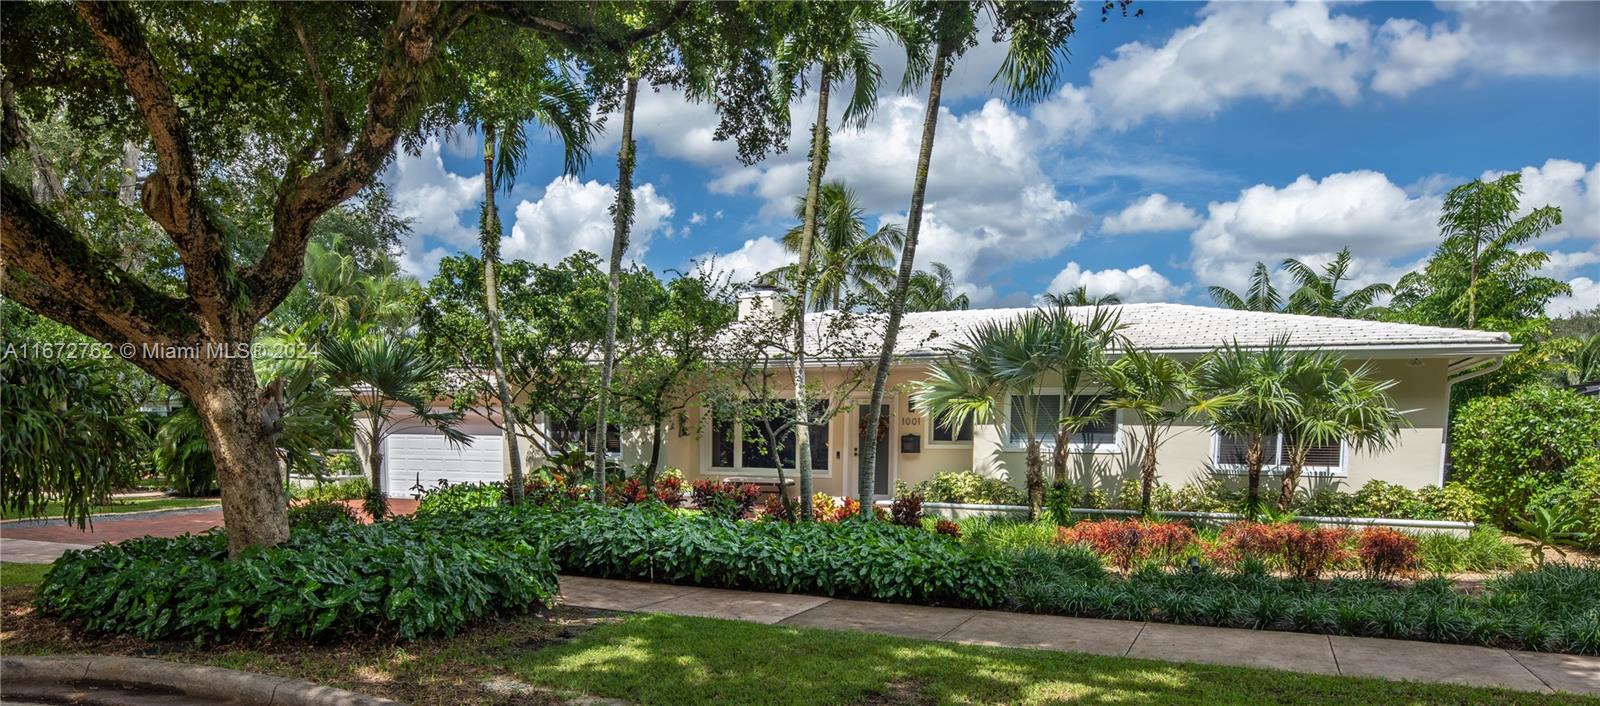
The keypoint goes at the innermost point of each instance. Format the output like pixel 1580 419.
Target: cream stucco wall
pixel 1414 460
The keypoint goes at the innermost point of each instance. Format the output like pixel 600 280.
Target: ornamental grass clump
pixel 406 578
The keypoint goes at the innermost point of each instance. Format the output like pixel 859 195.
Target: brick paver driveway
pixel 42 541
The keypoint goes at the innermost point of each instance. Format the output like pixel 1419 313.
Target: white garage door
pixel 427 458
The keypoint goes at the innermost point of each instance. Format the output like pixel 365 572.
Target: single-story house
pixel 1424 361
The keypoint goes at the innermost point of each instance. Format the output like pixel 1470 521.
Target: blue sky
pixel 1180 148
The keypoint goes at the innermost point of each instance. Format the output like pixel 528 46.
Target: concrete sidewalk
pixel 1296 652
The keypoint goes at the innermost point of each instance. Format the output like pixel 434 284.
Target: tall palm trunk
pixel 621 220
pixel 490 237
pixel 1147 469
pixel 897 298
pixel 808 236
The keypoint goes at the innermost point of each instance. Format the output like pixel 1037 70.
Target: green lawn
pixel 672 660
pixel 14 574
pixel 53 509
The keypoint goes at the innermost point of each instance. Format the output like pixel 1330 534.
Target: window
pixel 945 433
pixel 740 445
pixel 1101 431
pixel 575 432
pixel 1326 458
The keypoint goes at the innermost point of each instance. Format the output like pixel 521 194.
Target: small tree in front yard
pixel 1334 404
pixel 997 369
pixel 383 376
pixel 1161 391
pixel 1262 403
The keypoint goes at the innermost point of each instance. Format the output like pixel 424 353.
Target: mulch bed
pixel 440 671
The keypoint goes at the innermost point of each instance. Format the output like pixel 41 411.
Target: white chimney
pixel 760 301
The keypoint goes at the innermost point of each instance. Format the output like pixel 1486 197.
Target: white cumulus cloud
pixel 755 257
pixel 1585 296
pixel 574 215
pixel 1151 214
pixel 1138 284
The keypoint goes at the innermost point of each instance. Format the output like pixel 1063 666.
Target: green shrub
pixel 1576 497
pixel 1325 502
pixel 408 578
pixel 969 487
pixel 1508 448
pixel 1454 502
pixel 320 513
pixel 1383 499
pixel 344 464
pixel 353 489
pixel 459 497
pixel 856 558
pixel 1484 549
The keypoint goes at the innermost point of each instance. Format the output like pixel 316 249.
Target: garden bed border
pixel 957 511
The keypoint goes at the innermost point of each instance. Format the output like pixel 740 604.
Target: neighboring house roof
pixel 1183 328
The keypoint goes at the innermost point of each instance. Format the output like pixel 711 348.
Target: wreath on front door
pixel 883 426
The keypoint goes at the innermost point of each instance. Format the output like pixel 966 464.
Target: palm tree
pixel 997 368
pixel 1080 297
pixel 1334 405
pixel 1075 352
pixel 382 375
pixel 1318 292
pixel 1583 362
pixel 934 291
pixel 1262 404
pixel 936 34
pixel 1161 391
pixel 503 111
pixel 852 259
pixel 837 39
pixel 1260 296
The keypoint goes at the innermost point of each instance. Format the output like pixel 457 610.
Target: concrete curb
pixel 214 683
pixel 113 515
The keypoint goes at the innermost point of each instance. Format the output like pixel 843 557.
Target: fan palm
pixel 1261 295
pixel 1075 352
pixel 1318 292
pixel 1262 402
pixel 381 376
pixel 998 366
pixel 934 291
pixel 1332 405
pixel 1160 390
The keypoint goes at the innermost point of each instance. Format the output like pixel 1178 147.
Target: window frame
pixel 708 453
pixel 1277 466
pixel 1114 446
pixel 955 441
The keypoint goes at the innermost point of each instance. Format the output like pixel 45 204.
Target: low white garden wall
pixel 956 511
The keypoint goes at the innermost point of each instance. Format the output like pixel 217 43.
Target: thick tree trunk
pixel 808 231
pixel 491 299
pixel 897 298
pixel 254 508
pixel 621 220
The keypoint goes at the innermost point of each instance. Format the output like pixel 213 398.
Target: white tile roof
pixel 1176 328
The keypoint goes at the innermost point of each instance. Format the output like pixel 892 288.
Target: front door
pixel 880 477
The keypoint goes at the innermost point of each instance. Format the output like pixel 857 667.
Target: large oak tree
pixel 257 118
